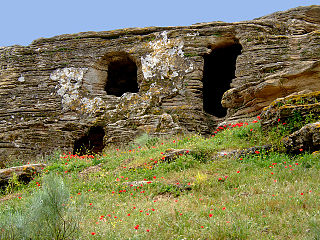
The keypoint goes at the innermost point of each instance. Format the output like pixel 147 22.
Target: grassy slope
pixel 262 196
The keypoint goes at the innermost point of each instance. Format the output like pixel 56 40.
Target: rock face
pixel 299 108
pixel 24 173
pixel 307 138
pixel 86 90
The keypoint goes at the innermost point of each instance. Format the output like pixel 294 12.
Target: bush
pixel 49 215
pixel 145 140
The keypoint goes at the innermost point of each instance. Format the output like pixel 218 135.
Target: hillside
pixel 147 191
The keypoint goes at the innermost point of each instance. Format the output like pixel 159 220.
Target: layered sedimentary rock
pixel 82 91
pixel 306 138
pixel 296 108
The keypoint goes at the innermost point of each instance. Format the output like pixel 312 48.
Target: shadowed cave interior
pixel 90 143
pixel 219 70
pixel 122 76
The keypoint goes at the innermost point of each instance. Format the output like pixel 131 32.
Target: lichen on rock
pixel 69 84
pixel 69 81
pixel 166 59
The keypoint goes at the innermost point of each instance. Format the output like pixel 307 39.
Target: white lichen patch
pixel 194 34
pixel 69 82
pixel 21 79
pixel 91 105
pixel 166 59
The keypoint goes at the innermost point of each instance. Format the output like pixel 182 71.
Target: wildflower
pixel 93 233
pixel 224 208
pixel 300 149
pixel 301 193
pixel 202 226
pixel 136 227
pixel 238 171
pixel 148 230
pixel 210 215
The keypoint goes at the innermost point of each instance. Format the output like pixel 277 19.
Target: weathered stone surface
pixel 293 106
pixel 54 90
pixel 307 138
pixel 91 170
pixel 171 154
pixel 244 152
pixel 24 173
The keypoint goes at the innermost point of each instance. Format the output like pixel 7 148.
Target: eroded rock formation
pixel 159 80
pixel 307 138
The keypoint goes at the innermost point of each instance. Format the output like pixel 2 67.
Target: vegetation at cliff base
pixel 203 191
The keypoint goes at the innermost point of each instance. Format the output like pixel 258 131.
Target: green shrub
pixel 145 140
pixel 48 215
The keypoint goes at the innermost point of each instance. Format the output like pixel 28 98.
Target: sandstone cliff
pixel 94 88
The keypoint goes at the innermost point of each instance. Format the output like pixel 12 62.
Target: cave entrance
pixel 122 75
pixel 219 70
pixel 91 143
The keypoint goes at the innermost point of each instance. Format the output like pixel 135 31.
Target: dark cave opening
pixel 122 76
pixel 91 143
pixel 219 70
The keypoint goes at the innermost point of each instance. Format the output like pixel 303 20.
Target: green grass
pixel 266 195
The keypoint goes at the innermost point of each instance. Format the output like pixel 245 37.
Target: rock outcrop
pixel 24 173
pixel 95 88
pixel 305 139
pixel 296 108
